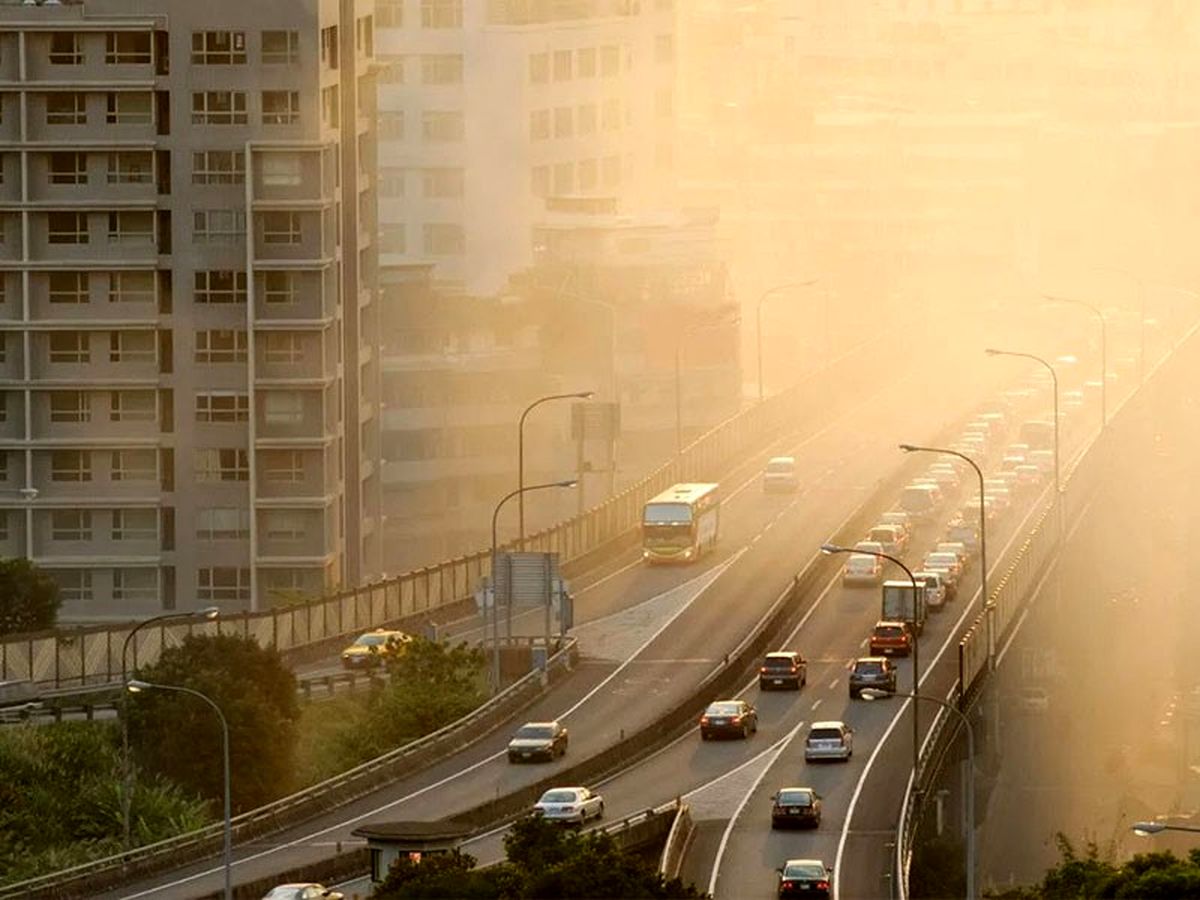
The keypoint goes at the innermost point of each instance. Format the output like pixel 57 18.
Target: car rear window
pixel 781 468
pixel 535 731
pixel 868 668
pixel 723 709
pixel 889 631
pixel 795 798
pixel 777 662
pixel 824 734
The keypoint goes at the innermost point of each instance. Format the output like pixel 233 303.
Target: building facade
pixel 187 365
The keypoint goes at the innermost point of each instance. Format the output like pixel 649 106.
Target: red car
pixel 891 639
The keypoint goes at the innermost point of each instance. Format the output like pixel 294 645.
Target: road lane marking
pixel 816 703
pixel 833 683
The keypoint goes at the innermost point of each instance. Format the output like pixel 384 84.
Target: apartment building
pixel 488 107
pixel 187 306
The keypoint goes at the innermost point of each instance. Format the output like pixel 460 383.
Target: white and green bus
pixel 681 523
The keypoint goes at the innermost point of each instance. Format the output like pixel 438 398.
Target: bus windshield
pixel 667 514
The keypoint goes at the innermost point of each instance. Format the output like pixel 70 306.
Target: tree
pixel 29 597
pixel 179 736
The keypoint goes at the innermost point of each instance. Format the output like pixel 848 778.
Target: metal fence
pixel 90 655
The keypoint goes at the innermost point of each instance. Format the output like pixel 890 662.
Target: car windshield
pixel 795 798
pixel 776 467
pixel 778 662
pixel 372 640
pixel 535 731
pixel 558 797
pixel 667 513
pixel 824 734
pixel 869 668
pixel 889 631
pixel 804 870
pixel 723 709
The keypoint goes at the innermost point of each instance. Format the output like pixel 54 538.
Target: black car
pixel 804 878
pixel 784 669
pixel 728 718
pixel 872 672
pixel 538 741
pixel 796 806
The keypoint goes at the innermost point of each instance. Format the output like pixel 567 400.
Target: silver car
pixel 574 805
pixel 829 740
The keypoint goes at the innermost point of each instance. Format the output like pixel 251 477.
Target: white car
pixel 935 589
pixel 829 740
pixel 302 891
pixel 574 805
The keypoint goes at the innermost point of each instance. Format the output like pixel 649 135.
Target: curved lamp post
pixel 133 686
pixel 991 351
pixel 829 550
pixel 1145 829
pixel 1141 283
pixel 579 395
pixel 1094 310
pixel 569 483
pixel 875 694
pixel 208 612
pixel 758 323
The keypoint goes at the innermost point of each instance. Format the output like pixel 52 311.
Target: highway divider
pixel 682 829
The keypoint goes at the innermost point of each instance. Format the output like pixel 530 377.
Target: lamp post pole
pixel 495 592
pixel 983 573
pixel 758 324
pixel 1103 350
pixel 1145 829
pixel 991 351
pixel 830 549
pixel 133 686
pixel 579 395
pixel 208 612
pixel 1141 283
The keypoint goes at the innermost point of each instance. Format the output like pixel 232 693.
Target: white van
pixel 921 500
pixel 780 474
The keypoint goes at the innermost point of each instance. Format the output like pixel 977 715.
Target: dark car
pixel 804 878
pixel 783 669
pixel 891 639
pixel 796 806
pixel 872 672
pixel 538 741
pixel 728 718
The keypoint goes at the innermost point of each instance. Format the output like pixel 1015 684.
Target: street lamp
pixel 983 573
pixel 133 686
pixel 579 395
pixel 207 612
pixel 875 694
pixel 830 549
pixel 991 351
pixel 569 483
pixel 1141 283
pixel 1103 349
pixel 1145 829
pixel 758 323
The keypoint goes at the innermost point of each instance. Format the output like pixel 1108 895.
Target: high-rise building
pixel 188 373
pixel 488 107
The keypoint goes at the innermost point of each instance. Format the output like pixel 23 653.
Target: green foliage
pixel 545 862
pixel 60 801
pixel 179 737
pixel 1156 876
pixel 938 869
pixel 29 598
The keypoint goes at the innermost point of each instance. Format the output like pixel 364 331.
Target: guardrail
pixel 678 839
pixel 91 654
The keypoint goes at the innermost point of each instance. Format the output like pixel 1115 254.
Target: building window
pixel 219 108
pixel 66 48
pixel 391 181
pixel 279 287
pixel 133 465
pixel 129 167
pixel 131 287
pixel 68 287
pixel 218 226
pixel 70 406
pixel 280 408
pixel 69 347
pixel 562 65
pixel 329 46
pixel 282 347
pixel 444 239
pixel 66 108
pixel 393 238
pixel 222 523
pixel 283 466
pixel 330 106
pixel 132 346
pixel 282 170
pixel 132 406
pixel 220 345
pixel 70 465
pixel 390 13
pixel 218 48
pixel 285 525
pixel 442 68
pixel 610 61
pixel 218 167
pixel 219 286
pixel 442 125
pixel 127 48
pixel 71 525
pixel 74 585
pixel 391 125
pixel 441 13
pixel 564 178
pixel 223 584
pixel 564 122
pixel 135 585
pixel 3 406
pixel 539 125
pixel 364 36
pixel 280 227
pixel 129 108
pixel 214 464
pixel 280 47
pixel 68 168
pixel 585 118
pixel 539 68
pixel 135 525
pixel 280 107
pixel 222 407
pixel 585 62
pixel 443 182
pixel 130 226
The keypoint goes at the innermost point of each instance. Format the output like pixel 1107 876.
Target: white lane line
pixel 778 751
pixel 816 703
pixel 714 572
pixel 864 642
pixel 609 577
pixel 833 684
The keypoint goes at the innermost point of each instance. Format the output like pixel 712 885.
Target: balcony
pixel 88 357
pixel 296 295
pixel 88 477
pixel 86 58
pixel 119 177
pixel 292 415
pixel 294 532
pixel 84 418
pixel 68 118
pixel 289 475
pixel 291 356
pixel 118 237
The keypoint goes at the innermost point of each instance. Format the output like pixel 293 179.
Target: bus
pixel 681 523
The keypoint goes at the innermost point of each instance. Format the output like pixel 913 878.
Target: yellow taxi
pixel 370 649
